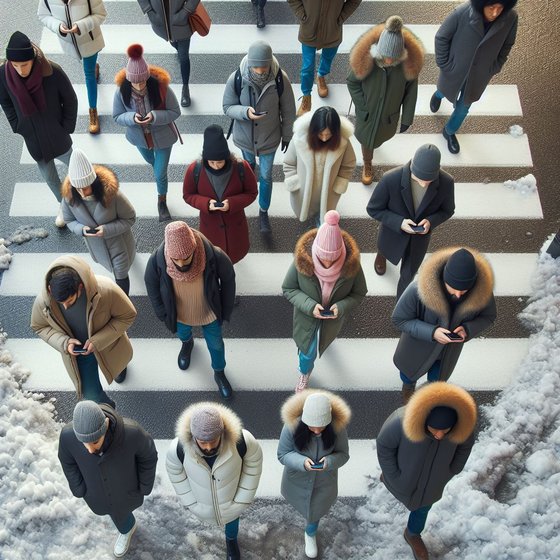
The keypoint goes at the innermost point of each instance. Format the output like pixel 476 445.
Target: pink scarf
pixel 327 276
pixel 28 91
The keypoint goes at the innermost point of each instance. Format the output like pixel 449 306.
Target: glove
pixel 285 146
pixel 404 128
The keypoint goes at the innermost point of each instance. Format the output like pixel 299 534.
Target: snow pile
pixel 516 130
pixel 5 255
pixel 27 233
pixel 524 186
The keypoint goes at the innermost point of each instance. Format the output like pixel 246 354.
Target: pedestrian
pixel 472 45
pixel 410 202
pixel 258 6
pixel 77 24
pixel 319 163
pixel 320 28
pixel 313 445
pixel 170 21
pixel 324 283
pixel 85 317
pixel 95 209
pixel 215 466
pixel 146 105
pixel 220 186
pixel 383 81
pixel 450 303
pixel 110 462
pixel 190 282
pixel 258 97
pixel 421 447
pixel 40 105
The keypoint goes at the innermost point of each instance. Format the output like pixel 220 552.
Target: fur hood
pixel 362 62
pixel 435 394
pixel 108 180
pixel 301 126
pixel 161 75
pixel 431 288
pixel 292 409
pixel 478 5
pixel 304 261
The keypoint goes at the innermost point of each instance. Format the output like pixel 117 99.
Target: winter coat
pixel 391 203
pixel 223 492
pixel 219 285
pixel 320 21
pixel 227 230
pixel 423 307
pixel 171 24
pixel 299 169
pixel 416 467
pixel 312 493
pixel 109 314
pixel 115 482
pixel 302 289
pixel 163 129
pixel 260 136
pixel 46 133
pixel 466 56
pixel 117 248
pixel 89 40
pixel 380 93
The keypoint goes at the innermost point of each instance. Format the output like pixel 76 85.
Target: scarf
pixel 327 276
pixel 259 80
pixel 28 91
pixel 198 263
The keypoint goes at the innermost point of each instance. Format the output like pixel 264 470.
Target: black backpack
pixel 240 445
pixel 198 167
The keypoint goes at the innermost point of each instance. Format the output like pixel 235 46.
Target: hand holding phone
pixel 79 350
pixel 417 229
pixel 326 312
pixel 218 204
pixel 260 113
pixel 318 466
pixel 91 231
pixel 453 336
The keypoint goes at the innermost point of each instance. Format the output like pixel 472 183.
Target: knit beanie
pixel 180 242
pixel 317 410
pixel 80 170
pixel 137 70
pixel 442 418
pixel 391 41
pixel 19 48
pixel 425 163
pixel 460 270
pixel 328 241
pixel 89 422
pixel 259 54
pixel 207 423
pixel 215 146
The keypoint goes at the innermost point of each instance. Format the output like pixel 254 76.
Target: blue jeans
pixel 159 160
pixel 433 373
pixel 308 66
pixel 266 161
pixel 459 114
pixel 311 528
pixel 417 520
pixel 232 529
pixel 50 174
pixel 214 341
pixel 307 359
pixel 89 376
pixel 124 525
pixel 91 82
pixel 182 48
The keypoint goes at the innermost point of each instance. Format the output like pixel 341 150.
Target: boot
pixel 303 381
pixel 322 87
pixel 452 142
pixel 435 103
pixel 184 358
pixel 185 96
pixel 121 377
pixel 305 105
pixel 367 173
pixel 264 222
pixel 311 550
pixel 163 211
pixel 224 387
pixel 407 391
pixel 59 221
pixel 380 264
pixel 261 22
pixel 419 550
pixel 97 72
pixel 233 552
pixel 93 122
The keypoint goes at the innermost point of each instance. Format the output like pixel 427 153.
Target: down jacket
pixel 222 493
pixel 173 24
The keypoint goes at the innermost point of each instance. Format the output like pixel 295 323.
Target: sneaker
pixel 264 222
pixel 419 550
pixel 305 105
pixel 123 542
pixel 59 221
pixel 303 382
pixel 311 550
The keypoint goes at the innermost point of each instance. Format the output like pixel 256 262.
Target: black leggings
pixel 184 60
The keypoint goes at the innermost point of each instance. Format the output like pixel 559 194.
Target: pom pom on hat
pixel 135 51
pixel 394 24
pixel 137 70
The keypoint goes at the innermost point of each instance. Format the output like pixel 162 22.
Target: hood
pixel 301 126
pixel 362 62
pixel 274 67
pixel 435 394
pixel 108 180
pixel 161 75
pixel 81 267
pixel 478 5
pixel 292 409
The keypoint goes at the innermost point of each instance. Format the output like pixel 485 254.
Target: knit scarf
pixel 327 276
pixel 198 263
pixel 259 80
pixel 28 91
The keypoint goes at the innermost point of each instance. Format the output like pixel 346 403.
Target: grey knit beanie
pixel 207 423
pixel 259 55
pixel 317 410
pixel 391 41
pixel 80 170
pixel 89 422
pixel 426 162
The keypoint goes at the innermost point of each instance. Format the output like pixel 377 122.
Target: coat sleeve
pixel 405 316
pixel 146 461
pixel 48 20
pixel 484 320
pixel 231 104
pixel 7 103
pixel 345 170
pixel 71 469
pixel 71 222
pixel 238 202
pixel 506 48
pixel 178 476
pixel 287 109
pixel 291 180
pixel 190 191
pixel 69 102
pixel 287 453
pixel 340 454
pixel 461 455
pixel 387 444
pixel 163 117
pixel 444 37
pixel 355 297
pixel 226 275
pixel 378 206
pixel 145 6
pixel 409 102
pixel 152 281
pixel 295 295
pixel 298 9
pixel 348 9
pixel 446 210
pixel 121 115
pixel 41 327
pixel 250 472
pixel 93 20
pixel 126 216
pixel 355 87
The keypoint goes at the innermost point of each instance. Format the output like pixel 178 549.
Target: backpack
pixel 278 82
pixel 240 445
pixel 89 9
pixel 198 167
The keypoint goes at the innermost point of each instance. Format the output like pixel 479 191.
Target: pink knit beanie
pixel 180 241
pixel 328 242
pixel 137 70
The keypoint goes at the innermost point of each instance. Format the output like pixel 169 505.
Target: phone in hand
pixel 318 466
pixel 260 113
pixel 218 204
pixel 327 312
pixel 417 229
pixel 79 350
pixel 453 336
pixel 91 231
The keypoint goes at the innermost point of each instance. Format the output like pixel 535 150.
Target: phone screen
pixel 218 204
pixel 79 350
pixel 317 466
pixel 453 336
pixel 326 313
pixel 417 228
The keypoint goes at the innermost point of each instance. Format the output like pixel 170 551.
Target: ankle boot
pixel 264 222
pixel 367 173
pixel 233 552
pixel 261 22
pixel 305 105
pixel 94 127
pixel 185 96
pixel 163 211
pixel 407 391
pixel 322 88
pixel 121 377
pixel 224 387
pixel 184 358
pixel 419 550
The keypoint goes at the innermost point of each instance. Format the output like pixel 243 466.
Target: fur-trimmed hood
pixel 304 260
pixel 292 409
pixel 362 62
pixel 301 126
pixel 108 180
pixel 431 289
pixel 478 5
pixel 435 394
pixel 160 74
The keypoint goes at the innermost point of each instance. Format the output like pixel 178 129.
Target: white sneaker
pixel 311 546
pixel 59 222
pixel 123 542
pixel 302 383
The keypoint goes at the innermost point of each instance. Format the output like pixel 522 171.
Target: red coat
pixel 228 230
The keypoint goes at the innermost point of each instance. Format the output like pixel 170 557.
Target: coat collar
pixel 406 191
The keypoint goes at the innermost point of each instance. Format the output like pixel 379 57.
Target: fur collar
pixel 431 289
pixel 435 394
pixel 304 261
pixel 293 408
pixel 301 126
pixel 108 180
pixel 362 62
pixel 161 75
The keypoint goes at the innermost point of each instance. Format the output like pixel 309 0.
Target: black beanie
pixel 442 418
pixel 215 146
pixel 19 48
pixel 460 271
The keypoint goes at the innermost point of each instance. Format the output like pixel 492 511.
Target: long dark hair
pixel 324 117
pixel 98 193
pixel 153 92
pixel 303 434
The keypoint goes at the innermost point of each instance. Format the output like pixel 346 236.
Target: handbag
pixel 200 21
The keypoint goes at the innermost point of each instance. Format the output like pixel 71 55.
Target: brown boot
pixel 367 173
pixel 380 264
pixel 419 550
pixel 322 87
pixel 305 105
pixel 407 391
pixel 93 122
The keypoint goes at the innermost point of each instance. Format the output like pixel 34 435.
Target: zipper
pixel 215 500
pixel 69 26
pixel 165 21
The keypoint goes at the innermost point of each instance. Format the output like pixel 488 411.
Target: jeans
pixel 311 528
pixel 89 376
pixel 50 174
pixel 308 65
pixel 459 114
pixel 433 373
pixel 91 82
pixel 159 160
pixel 182 48
pixel 307 359
pixel 417 520
pixel 266 161
pixel 124 525
pixel 214 341
pixel 232 529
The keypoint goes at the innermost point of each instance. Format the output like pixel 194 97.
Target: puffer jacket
pixel 170 19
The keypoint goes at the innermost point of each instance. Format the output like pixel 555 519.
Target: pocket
pixel 362 116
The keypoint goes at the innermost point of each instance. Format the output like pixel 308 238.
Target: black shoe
pixel 452 142
pixel 185 96
pixel 435 103
pixel 233 552
pixel 261 22
pixel 224 387
pixel 163 211
pixel 184 358
pixel 407 391
pixel 121 377
pixel 264 222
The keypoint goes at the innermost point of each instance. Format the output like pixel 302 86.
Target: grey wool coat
pixel 416 467
pixel 312 493
pixel 423 307
pixel 115 482
pixel 467 56
pixel 171 24
pixel 117 248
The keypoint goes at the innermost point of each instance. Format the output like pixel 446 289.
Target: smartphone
pixel 453 336
pixel 91 231
pixel 318 466
pixel 417 229
pixel 326 313
pixel 260 113
pixel 79 350
pixel 218 204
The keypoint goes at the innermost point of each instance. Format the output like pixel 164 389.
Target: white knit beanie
pixel 317 410
pixel 80 170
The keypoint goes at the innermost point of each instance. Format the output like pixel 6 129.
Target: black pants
pixel 123 284
pixel 184 60
pixel 410 263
